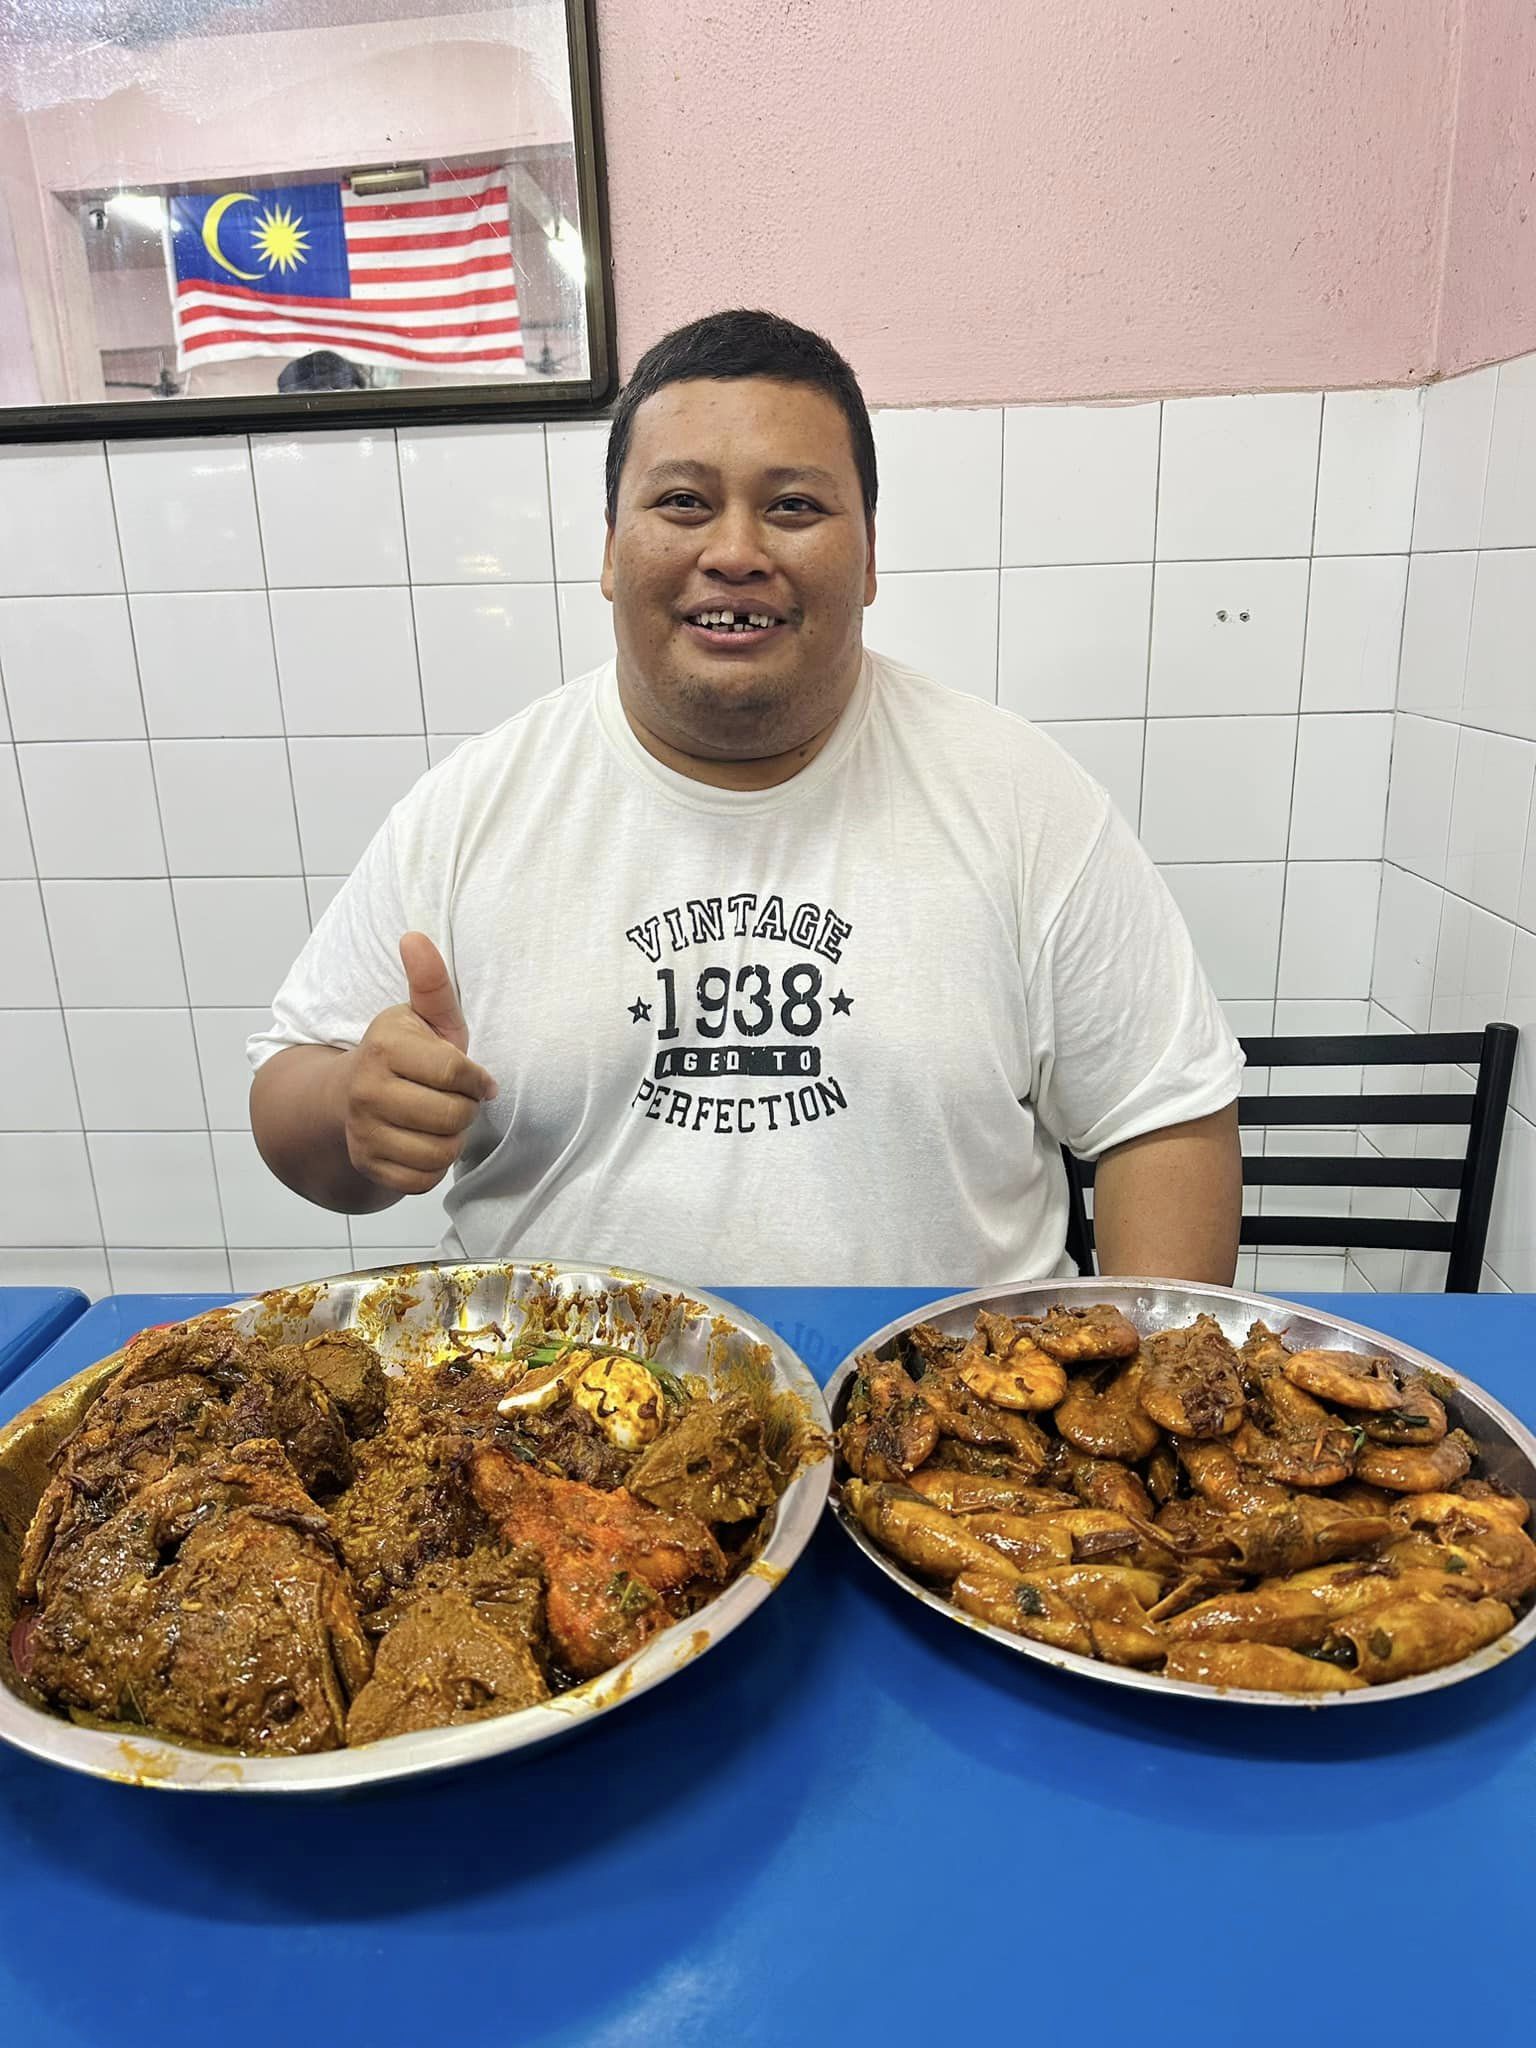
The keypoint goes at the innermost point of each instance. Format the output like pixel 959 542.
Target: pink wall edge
pixel 1487 310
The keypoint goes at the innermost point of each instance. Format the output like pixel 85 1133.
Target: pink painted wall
pixel 984 201
pixel 1488 302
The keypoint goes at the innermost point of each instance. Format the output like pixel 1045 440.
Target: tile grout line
pixel 85 1139
pixel 1290 807
pixel 410 591
pixel 1146 681
pixel 170 890
pixel 554 566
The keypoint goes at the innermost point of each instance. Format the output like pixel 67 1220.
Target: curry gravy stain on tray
pixel 368 1515
pixel 1123 1487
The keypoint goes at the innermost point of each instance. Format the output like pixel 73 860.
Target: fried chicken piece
pixel 1189 1380
pixel 182 1394
pixel 891 1427
pixel 608 1561
pixel 409 1506
pixel 210 1606
pixel 1086 1336
pixel 709 1464
pixel 266 1393
pixel 461 1646
pixel 348 1368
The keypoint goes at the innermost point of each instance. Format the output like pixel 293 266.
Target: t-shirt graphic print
pixel 743 1046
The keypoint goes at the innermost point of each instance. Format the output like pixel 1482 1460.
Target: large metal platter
pixel 409 1314
pixel 1507 1446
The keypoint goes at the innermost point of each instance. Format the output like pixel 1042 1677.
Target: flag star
pixel 640 1011
pixel 842 1004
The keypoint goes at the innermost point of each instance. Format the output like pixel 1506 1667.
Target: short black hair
pixel 321 370
pixel 740 343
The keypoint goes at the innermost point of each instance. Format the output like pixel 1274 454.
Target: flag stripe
pixel 389 234
pixel 413 209
pixel 432 273
pixel 447 238
pixel 465 174
pixel 439 302
pixel 413 326
pixel 308 337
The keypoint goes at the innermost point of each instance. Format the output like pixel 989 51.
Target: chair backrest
pixel 1490 1052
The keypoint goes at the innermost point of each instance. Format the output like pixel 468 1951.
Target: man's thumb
pixel 430 992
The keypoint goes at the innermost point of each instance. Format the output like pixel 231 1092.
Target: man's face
pixel 739 496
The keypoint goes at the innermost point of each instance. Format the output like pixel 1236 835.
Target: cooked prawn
pixel 1415 1468
pixel 1354 1379
pixel 1025 1378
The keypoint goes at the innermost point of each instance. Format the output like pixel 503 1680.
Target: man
pixel 755 957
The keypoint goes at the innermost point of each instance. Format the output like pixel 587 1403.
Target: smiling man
pixel 755 957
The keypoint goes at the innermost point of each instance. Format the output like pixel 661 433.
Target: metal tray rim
pixel 150 1759
pixel 1490 1657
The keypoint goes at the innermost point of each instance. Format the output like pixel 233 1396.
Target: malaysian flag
pixel 422 279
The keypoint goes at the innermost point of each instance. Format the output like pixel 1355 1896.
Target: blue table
pixel 30 1319
pixel 849 1823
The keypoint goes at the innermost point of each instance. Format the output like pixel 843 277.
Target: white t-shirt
pixel 827 1033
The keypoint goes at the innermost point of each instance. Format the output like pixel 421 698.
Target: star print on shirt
pixel 842 1004
pixel 640 1011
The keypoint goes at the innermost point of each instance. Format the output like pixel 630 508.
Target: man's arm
pixel 356 1129
pixel 1168 1204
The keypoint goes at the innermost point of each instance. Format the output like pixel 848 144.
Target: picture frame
pixel 548 388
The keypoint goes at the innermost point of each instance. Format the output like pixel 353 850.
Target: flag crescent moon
pixel 211 221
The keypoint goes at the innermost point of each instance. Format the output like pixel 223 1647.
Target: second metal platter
pixel 1507 1452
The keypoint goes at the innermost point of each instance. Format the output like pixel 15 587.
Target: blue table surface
pixel 849 1822
pixel 30 1319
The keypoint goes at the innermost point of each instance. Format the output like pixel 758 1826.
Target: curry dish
pixel 1274 1519
pixel 278 1549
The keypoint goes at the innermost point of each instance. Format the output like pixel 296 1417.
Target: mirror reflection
pixel 225 198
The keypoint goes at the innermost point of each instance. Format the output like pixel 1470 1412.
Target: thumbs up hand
pixel 431 994
pixel 411 1091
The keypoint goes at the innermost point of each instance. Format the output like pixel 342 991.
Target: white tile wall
pixel 1238 476
pixel 304 622
pixel 1456 934
pixel 586 628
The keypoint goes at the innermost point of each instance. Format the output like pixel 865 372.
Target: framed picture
pixel 226 215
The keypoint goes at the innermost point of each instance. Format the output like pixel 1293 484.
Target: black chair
pixel 1491 1053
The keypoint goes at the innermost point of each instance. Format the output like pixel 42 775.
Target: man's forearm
pixel 298 1119
pixel 1169 1204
